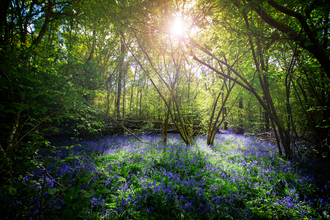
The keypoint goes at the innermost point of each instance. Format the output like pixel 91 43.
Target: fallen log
pixel 154 122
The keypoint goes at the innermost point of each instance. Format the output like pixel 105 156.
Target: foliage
pixel 84 123
pixel 45 74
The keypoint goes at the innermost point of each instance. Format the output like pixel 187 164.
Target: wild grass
pixel 119 178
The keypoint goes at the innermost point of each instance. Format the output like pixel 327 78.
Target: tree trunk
pixel 240 115
pixel 225 126
pixel 140 112
pixel 120 76
pixel 167 115
pixel 89 59
pixel 124 92
pixel 132 91
pixel 108 85
pixel 266 118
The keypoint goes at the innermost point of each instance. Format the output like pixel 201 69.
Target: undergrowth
pixel 119 178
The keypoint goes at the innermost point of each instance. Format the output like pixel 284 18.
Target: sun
pixel 177 27
pixel 175 24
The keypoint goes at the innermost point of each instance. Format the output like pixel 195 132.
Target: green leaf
pixel 282 160
pixel 89 194
pixel 67 214
pixel 101 181
pixel 12 191
pixel 97 194
pixel 68 198
pixel 100 187
pixel 110 205
pixel 215 40
pixel 93 184
pixel 52 191
pixel 124 173
pixel 76 206
pixel 78 186
pixel 105 191
pixel 44 110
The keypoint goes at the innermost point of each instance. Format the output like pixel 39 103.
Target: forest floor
pixel 117 177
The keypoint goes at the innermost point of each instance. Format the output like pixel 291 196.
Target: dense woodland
pixel 87 69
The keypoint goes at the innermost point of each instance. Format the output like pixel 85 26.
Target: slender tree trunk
pixel 140 112
pixel 266 118
pixel 167 115
pixel 6 175
pixel 132 91
pixel 108 85
pixel 43 30
pixel 249 113
pixel 124 91
pixel 115 107
pixel 120 76
pixel 141 91
pixel 89 59
pixel 225 126
pixel 137 103
pixel 240 115
pixel 4 7
pixel 159 108
pixel 266 121
pixel 211 120
pixel 108 102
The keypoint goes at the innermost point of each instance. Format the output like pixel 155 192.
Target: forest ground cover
pixel 117 177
